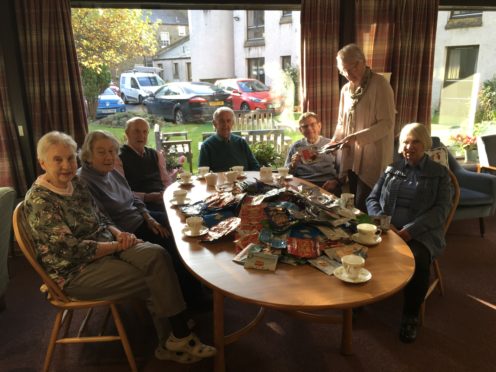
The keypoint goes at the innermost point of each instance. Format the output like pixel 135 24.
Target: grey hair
pixel 54 138
pixel 419 132
pixel 351 53
pixel 131 121
pixel 306 115
pixel 222 109
pixel 86 152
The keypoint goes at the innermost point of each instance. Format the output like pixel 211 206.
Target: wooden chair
pixel 180 146
pixel 438 279
pixel 64 304
pixel 254 120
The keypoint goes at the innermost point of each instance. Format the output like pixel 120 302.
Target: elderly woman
pixel 365 123
pixel 320 171
pixel 416 192
pixel 114 196
pixel 91 259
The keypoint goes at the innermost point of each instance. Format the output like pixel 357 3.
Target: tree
pixel 106 37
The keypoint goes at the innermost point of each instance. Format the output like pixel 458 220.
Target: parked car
pixel 187 101
pixel 109 103
pixel 250 94
pixel 136 86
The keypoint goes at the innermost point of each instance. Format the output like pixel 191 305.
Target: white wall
pixel 211 43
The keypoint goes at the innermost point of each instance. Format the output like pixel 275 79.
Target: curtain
pixel 51 73
pixel 11 172
pixel 320 22
pixel 398 36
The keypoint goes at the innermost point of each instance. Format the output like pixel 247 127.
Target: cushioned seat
pixel 472 197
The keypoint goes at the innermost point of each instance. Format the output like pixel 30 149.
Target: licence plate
pixel 216 103
pixel 108 111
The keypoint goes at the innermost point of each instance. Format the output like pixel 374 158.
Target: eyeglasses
pixel 346 70
pixel 312 124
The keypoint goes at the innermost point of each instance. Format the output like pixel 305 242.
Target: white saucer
pixel 200 177
pixel 363 276
pixel 288 177
pixel 356 238
pixel 267 180
pixel 187 231
pixel 180 181
pixel 175 202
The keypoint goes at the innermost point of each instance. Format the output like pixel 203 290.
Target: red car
pixel 249 94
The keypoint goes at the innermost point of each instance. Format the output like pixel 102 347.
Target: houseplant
pixel 467 144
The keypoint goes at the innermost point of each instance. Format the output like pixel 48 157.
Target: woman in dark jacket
pixel 416 192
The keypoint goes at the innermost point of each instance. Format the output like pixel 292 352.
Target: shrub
pixel 119 119
pixel 266 154
pixel 487 101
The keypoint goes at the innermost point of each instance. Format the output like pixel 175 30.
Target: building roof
pixel 180 49
pixel 169 16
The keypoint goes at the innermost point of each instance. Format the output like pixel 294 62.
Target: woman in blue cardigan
pixel 416 192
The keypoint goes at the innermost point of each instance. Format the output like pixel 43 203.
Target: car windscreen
pixel 150 81
pixel 108 92
pixel 201 89
pixel 253 86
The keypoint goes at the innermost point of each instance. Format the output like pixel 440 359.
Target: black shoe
pixel 408 329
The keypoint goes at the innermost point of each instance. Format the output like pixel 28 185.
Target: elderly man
pixel 365 123
pixel 143 167
pixel 304 160
pixel 224 149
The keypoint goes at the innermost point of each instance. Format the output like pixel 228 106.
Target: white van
pixel 136 86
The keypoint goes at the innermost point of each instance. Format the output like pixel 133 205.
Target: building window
pixel 463 19
pixel 461 63
pixel 164 39
pixel 175 71
pixel 256 69
pixel 181 30
pixel 287 13
pixel 255 24
pixel 188 71
pixel 161 72
pixel 465 13
pixel 285 62
pixel 286 16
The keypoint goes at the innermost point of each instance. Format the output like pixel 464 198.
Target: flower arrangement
pixel 464 142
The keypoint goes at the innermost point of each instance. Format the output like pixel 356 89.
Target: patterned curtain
pixel 53 83
pixel 11 172
pixel 398 36
pixel 319 43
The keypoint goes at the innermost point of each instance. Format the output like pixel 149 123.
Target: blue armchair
pixel 7 199
pixel 477 191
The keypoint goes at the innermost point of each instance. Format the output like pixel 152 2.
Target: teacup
pixel 283 171
pixel 265 173
pixel 202 171
pixel 383 221
pixel 352 264
pixel 238 169
pixel 185 177
pixel 180 196
pixel 231 176
pixel 211 179
pixel 347 200
pixel 194 224
pixel 368 232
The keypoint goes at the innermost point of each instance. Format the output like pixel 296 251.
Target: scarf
pixel 356 96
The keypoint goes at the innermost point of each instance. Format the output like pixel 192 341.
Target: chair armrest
pixel 481 182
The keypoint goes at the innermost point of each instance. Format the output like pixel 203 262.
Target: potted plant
pixel 467 144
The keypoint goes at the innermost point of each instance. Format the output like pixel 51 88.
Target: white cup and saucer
pixel 367 234
pixel 283 173
pixel 202 171
pixel 185 179
pixel 266 174
pixel 239 169
pixel 352 270
pixel 211 179
pixel 195 227
pixel 180 197
pixel 231 176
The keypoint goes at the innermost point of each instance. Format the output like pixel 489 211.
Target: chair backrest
pixel 454 200
pixel 489 142
pixel 253 120
pixel 22 232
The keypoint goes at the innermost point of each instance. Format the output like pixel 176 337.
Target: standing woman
pixel 416 192
pixel 90 259
pixel 365 123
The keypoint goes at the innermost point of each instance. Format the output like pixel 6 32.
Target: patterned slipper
pixel 177 356
pixel 191 345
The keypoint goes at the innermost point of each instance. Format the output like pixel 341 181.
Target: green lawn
pixel 194 133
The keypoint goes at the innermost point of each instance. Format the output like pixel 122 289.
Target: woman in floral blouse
pixel 91 259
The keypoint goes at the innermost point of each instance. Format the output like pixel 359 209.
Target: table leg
pixel 219 341
pixel 346 336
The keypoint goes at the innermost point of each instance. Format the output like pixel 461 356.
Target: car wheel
pixel 179 117
pixel 245 107
pixel 140 99
pixel 124 98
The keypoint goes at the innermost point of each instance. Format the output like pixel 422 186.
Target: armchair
pixel 7 199
pixel 477 191
pixel 486 146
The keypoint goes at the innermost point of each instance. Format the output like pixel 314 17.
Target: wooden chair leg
pixel 422 313
pixel 124 339
pixel 53 338
pixel 439 277
pixel 482 227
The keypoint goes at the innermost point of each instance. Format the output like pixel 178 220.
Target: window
pixel 188 71
pixel 465 13
pixel 464 18
pixel 286 16
pixel 461 63
pixel 287 13
pixel 175 70
pixel 255 24
pixel 161 72
pixel 285 62
pixel 181 30
pixel 256 69
pixel 164 39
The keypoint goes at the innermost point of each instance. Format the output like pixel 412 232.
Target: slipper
pixel 191 345
pixel 177 356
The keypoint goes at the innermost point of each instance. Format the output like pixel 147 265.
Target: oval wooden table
pixel 301 290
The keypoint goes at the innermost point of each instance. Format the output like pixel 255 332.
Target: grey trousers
pixel 143 272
